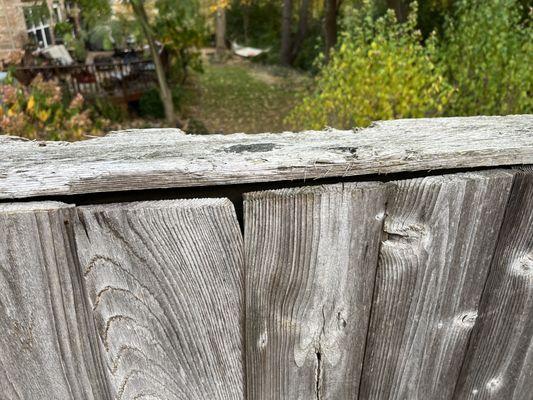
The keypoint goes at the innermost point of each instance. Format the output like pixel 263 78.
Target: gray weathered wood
pixel 499 362
pixel 165 283
pixel 151 159
pixel 440 236
pixel 47 349
pixel 311 257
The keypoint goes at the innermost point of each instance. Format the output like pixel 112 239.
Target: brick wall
pixel 12 25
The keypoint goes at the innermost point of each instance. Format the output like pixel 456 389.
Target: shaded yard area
pixel 239 96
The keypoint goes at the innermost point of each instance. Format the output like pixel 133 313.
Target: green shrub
pixel 488 53
pixel 108 110
pixel 151 106
pixel 380 70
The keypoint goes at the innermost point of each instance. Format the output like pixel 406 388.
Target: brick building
pixel 17 26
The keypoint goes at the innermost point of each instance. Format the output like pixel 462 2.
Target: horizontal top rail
pixel 167 158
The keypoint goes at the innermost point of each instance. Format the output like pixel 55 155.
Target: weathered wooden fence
pixel 303 269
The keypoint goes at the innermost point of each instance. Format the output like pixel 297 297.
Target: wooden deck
pixel 121 81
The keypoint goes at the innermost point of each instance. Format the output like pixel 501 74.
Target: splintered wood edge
pixel 167 158
pixel 33 206
pixel 316 190
pixel 197 203
pixel 357 186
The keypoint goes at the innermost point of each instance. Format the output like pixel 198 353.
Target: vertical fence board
pixel 311 257
pixel 165 283
pixel 499 362
pixel 45 335
pixel 440 236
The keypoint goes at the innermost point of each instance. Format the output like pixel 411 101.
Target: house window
pixel 56 7
pixel 38 26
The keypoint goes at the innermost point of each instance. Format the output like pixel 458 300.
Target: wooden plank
pixel 164 280
pixel 165 158
pixel 499 362
pixel 46 350
pixel 311 256
pixel 441 234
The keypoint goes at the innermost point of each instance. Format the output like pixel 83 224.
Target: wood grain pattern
pixel 441 235
pixel 499 362
pixel 46 347
pixel 164 280
pixel 311 260
pixel 163 158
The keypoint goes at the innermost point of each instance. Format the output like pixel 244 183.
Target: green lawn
pixel 239 96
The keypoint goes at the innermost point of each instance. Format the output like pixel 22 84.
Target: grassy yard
pixel 239 96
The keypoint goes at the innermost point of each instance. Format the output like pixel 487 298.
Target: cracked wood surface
pixel 47 346
pixel 164 283
pixel 440 235
pixel 499 362
pixel 311 255
pixel 166 158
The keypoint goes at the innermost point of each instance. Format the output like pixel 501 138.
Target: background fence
pixel 377 287
pixel 121 80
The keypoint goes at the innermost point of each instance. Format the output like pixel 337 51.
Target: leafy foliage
pixel 379 71
pixel 181 29
pixel 488 53
pixel 256 23
pixel 39 112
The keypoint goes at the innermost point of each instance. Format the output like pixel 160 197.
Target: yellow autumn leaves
pixel 39 112
pixel 381 70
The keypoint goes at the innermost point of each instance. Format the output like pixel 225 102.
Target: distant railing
pixel 119 80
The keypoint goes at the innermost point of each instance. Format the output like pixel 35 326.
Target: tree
pixel 286 33
pixel 488 55
pixel 291 43
pixel 219 9
pixel 164 89
pixel 380 70
pixel 331 13
pixel 400 8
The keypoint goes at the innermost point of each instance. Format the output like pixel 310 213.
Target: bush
pixel 39 112
pixel 488 53
pixel 379 71
pixel 150 104
pixel 106 109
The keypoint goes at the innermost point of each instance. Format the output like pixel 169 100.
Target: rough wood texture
pixel 164 280
pixel 45 336
pixel 311 260
pixel 440 236
pixel 151 159
pixel 499 362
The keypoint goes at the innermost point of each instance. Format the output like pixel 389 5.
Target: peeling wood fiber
pixel 166 158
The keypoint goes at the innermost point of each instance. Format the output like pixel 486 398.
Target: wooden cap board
pixel 167 158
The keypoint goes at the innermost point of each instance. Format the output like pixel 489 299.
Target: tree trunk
pixel 164 90
pixel 246 23
pixel 302 30
pixel 331 10
pixel 399 7
pixel 286 36
pixel 220 31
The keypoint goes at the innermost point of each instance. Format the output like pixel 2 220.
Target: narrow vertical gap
pixel 79 283
pixel 239 213
pixel 382 239
pixel 318 380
